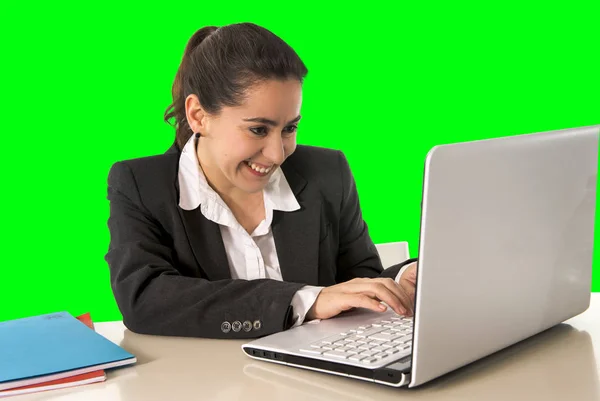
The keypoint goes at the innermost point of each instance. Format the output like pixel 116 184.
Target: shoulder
pixel 305 153
pixel 150 178
pixel 157 166
pixel 325 171
pixel 311 161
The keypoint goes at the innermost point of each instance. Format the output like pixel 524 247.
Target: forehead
pixel 273 99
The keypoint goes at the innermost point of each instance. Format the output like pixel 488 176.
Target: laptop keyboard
pixel 387 339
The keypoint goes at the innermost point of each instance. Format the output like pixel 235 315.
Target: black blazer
pixel 169 270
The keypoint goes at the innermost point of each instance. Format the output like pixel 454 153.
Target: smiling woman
pixel 236 231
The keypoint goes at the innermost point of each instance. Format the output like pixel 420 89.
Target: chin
pixel 251 189
pixel 248 187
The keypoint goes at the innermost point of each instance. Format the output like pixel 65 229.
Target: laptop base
pixel 396 374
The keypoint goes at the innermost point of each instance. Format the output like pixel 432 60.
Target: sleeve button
pixel 247 325
pixel 225 327
pixel 236 326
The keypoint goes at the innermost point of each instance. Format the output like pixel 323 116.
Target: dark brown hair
pixel 220 64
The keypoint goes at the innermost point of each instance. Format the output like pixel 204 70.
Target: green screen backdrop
pixel 86 84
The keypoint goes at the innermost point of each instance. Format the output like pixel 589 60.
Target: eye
pixel 290 129
pixel 259 131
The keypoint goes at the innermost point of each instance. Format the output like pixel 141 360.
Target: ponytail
pixel 177 108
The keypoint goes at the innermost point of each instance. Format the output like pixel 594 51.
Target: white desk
pixel 559 364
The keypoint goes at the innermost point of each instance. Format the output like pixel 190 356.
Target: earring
pixel 198 135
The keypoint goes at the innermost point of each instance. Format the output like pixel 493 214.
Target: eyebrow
pixel 270 122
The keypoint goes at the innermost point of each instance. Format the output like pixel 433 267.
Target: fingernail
pixel 382 307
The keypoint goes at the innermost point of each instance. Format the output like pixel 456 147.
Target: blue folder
pixel 51 344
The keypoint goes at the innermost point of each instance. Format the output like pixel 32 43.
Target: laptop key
pixel 333 339
pixel 357 357
pixel 312 351
pixel 405 338
pixel 336 354
pixel 370 332
pixel 385 337
pixel 369 360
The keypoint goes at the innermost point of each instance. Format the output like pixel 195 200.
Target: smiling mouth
pixel 258 169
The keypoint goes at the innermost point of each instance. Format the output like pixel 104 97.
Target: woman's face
pixel 242 146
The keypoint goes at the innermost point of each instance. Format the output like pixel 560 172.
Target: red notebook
pixel 77 380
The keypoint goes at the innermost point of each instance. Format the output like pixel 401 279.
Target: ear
pixel 195 114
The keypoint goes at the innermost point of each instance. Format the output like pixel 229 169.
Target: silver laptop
pixel 505 252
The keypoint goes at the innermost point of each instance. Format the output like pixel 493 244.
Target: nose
pixel 274 150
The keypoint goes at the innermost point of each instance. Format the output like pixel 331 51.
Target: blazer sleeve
pixel 357 256
pixel 154 298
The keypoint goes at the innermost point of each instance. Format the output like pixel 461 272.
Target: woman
pixel 237 232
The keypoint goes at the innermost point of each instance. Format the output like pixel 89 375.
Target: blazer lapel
pixel 296 235
pixel 204 237
pixel 206 243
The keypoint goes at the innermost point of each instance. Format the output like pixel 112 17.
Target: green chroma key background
pixel 86 84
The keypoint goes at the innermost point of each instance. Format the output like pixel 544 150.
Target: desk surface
pixel 561 363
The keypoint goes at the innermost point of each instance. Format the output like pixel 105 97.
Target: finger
pixel 410 277
pixel 409 290
pixel 398 291
pixel 375 289
pixel 363 301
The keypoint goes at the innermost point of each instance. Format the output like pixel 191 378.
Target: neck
pixel 231 195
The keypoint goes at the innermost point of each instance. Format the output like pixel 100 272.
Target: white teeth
pixel 258 169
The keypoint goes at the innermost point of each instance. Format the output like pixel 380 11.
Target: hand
pixel 408 282
pixel 362 293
